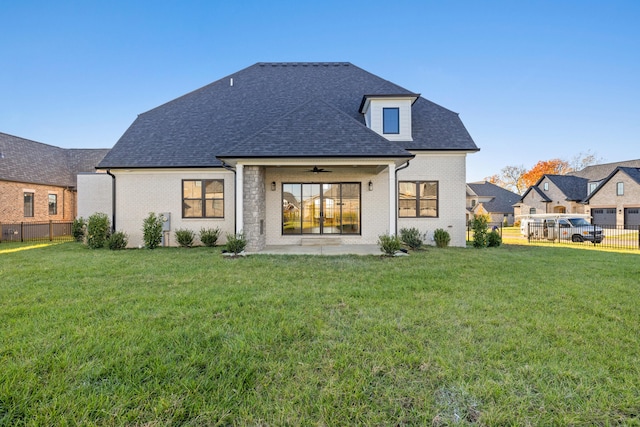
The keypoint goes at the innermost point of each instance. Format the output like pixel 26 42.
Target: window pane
pixel 53 204
pixel 192 189
pixel 429 199
pixel 214 190
pixel 311 208
pixel 390 120
pixel 214 208
pixel 620 190
pixel 192 208
pixel 28 204
pixel 291 198
pixel 407 199
pixel 350 208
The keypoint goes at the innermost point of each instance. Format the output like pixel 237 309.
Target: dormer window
pixel 391 120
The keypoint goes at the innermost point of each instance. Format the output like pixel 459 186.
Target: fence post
pixel 1 231
pixel 22 231
pixel 50 230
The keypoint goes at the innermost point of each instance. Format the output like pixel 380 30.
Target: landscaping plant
pixel 185 237
pixel 152 230
pixel 493 239
pixel 389 244
pixel 98 230
pixel 411 237
pixel 117 241
pixel 78 229
pixel 441 237
pixel 209 236
pixel 236 243
pixel 479 226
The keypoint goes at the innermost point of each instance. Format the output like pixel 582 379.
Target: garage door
pixel 604 217
pixel 632 218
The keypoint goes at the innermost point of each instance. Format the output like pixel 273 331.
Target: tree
pixel 582 160
pixel 512 178
pixel 545 167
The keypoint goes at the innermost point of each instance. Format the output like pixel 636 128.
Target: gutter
pixel 113 200
pixel 406 165
pixel 232 169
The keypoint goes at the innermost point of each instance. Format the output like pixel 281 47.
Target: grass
pixel 515 335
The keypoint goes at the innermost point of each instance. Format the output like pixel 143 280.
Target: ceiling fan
pixel 317 170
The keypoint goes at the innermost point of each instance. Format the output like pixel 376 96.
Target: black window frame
pixel 30 214
pixel 53 204
pixel 203 199
pixel 384 122
pixel 417 199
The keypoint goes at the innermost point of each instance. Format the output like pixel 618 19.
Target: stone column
pixel 254 208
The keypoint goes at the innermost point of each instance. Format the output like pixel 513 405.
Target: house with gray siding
pixel 294 154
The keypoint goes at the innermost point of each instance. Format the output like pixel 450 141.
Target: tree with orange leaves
pixel 545 167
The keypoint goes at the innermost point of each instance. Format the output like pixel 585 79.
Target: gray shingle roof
pixel 23 160
pixel 503 200
pixel 600 172
pixel 573 187
pixel 225 118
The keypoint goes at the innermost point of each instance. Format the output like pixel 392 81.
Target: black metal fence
pixel 36 231
pixel 609 236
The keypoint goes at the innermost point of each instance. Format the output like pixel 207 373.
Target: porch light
pixel 370 185
pixel 273 186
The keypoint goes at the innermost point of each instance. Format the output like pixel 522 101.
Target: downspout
pixel 113 200
pixel 230 168
pixel 406 165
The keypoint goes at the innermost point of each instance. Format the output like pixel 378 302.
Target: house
pixel 616 199
pixel 294 154
pixel 490 199
pixel 38 181
pixel 588 191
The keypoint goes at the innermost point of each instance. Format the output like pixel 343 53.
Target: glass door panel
pixel 350 208
pixel 291 208
pixel 311 209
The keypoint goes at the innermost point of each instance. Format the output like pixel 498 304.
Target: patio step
pixel 321 241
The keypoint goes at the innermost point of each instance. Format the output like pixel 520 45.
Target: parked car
pixel 576 229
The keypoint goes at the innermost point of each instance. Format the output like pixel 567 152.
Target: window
pixel 28 204
pixel 418 199
pixel 390 120
pixel 532 211
pixel 620 188
pixel 546 186
pixel 53 204
pixel 592 186
pixel 203 198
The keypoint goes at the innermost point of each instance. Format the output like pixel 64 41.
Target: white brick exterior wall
pixel 139 192
pixel 94 194
pixel 449 169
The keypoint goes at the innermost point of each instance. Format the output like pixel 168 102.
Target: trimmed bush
pixel 493 239
pixel 98 230
pixel 441 237
pixel 209 236
pixel 78 229
pixel 118 241
pixel 389 244
pixel 185 237
pixel 236 243
pixel 152 230
pixel 479 226
pixel 411 237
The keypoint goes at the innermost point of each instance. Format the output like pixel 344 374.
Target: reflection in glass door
pixel 332 208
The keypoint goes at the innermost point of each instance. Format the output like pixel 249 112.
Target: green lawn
pixel 516 335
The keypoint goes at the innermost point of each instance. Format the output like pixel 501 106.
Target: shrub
pixel 236 243
pixel 78 229
pixel 479 225
pixel 185 237
pixel 209 236
pixel 411 237
pixel 117 241
pixel 493 239
pixel 389 244
pixel 98 230
pixel 441 237
pixel 152 230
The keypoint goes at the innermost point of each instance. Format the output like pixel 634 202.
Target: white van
pixel 573 227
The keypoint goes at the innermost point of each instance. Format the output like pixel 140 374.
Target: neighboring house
pixel 294 153
pixel 38 181
pixel 616 200
pixel 487 198
pixel 590 191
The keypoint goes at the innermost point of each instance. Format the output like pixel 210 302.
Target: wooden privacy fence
pixel 36 231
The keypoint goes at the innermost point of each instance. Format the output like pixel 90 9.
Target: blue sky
pixel 531 80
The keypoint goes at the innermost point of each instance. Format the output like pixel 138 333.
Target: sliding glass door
pixel 331 208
